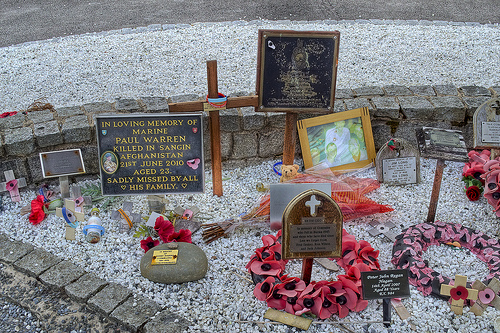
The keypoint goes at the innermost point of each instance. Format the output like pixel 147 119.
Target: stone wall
pixel 247 137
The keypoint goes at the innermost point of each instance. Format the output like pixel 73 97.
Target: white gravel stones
pixel 81 69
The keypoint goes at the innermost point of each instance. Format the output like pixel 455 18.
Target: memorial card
pixel 385 284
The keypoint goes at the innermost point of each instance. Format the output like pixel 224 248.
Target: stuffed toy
pixel 288 172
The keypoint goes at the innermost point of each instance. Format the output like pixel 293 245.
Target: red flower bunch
pixel 166 232
pixel 38 210
pixel 491 178
pixel 322 298
pixel 472 173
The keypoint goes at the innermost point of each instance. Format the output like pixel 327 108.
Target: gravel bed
pixel 102 67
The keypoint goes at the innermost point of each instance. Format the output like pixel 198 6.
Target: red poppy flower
pixel 308 299
pixel 7 114
pixel 263 289
pixel 37 214
pixel 164 228
pixel 271 267
pixel 459 292
pixel 325 306
pixel 473 193
pixel 184 235
pixel 486 296
pixel 290 286
pixel 148 243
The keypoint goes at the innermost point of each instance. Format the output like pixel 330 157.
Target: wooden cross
pixel 459 293
pixel 125 216
pixel 487 296
pixel 79 199
pixel 12 185
pixel 382 229
pixel 70 215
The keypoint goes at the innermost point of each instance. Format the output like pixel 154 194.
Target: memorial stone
pixel 398 163
pixel 486 124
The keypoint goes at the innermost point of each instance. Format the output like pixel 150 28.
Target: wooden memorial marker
pixel 125 217
pixel 487 295
pixel 312 228
pixel 386 284
pixel 62 163
pixel 12 185
pixel 486 124
pixel 382 229
pixel 441 144
pixel 398 163
pixel 459 293
pixel 70 215
pixel 80 201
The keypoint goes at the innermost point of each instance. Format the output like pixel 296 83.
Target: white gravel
pixel 89 68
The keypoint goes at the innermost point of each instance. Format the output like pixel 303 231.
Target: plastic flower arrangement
pixel 322 298
pixel 491 178
pixel 165 231
pixel 472 174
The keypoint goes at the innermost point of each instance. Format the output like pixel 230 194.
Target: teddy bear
pixel 288 172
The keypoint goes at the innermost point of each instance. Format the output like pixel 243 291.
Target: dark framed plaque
pixel 385 284
pixel 444 144
pixel 150 154
pixel 62 163
pixel 297 70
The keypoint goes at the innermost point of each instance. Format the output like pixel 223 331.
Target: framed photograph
pixel 342 140
pixel 297 71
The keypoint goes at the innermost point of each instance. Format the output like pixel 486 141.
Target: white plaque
pixel 401 170
pixel 490 131
pixel 312 238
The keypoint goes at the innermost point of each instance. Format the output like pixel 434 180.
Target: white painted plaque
pixel 312 238
pixel 490 131
pixel 401 170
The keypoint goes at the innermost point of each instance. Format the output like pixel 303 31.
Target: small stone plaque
pixel 312 227
pixel 398 163
pixel 400 170
pixel 62 163
pixel 385 284
pixel 490 132
pixel 165 257
pixel 443 144
pixel 486 124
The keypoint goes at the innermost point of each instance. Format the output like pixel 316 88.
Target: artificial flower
pixel 184 235
pixel 164 228
pixel 7 114
pixel 148 243
pixel 263 289
pixel 459 292
pixel 38 208
pixel 271 267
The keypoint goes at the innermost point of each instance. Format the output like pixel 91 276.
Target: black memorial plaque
pixel 296 70
pixel 62 163
pixel 150 154
pixel 442 144
pixel 385 284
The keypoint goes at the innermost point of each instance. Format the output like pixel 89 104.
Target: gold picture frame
pixel 342 140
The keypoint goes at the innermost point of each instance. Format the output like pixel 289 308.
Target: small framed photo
pixel 342 140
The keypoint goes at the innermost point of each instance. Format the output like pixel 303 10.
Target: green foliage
pixel 142 231
pixel 94 191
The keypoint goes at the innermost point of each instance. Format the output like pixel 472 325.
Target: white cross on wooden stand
pixel 70 215
pixel 459 293
pixel 12 185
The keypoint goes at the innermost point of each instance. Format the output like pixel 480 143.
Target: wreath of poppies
pixel 322 298
pixel 410 245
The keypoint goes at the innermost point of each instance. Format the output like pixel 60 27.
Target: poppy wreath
pixel 322 298
pixel 412 242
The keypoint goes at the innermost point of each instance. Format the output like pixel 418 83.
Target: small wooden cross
pixel 70 215
pixel 382 229
pixel 12 185
pixel 459 293
pixel 487 296
pixel 125 216
pixel 80 200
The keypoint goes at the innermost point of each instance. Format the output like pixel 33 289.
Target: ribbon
pixel 391 144
pixel 125 217
pixel 274 168
pixel 13 189
pixel 69 217
pixel 218 102
pixel 93 226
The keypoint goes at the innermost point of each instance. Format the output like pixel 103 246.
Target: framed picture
pixel 297 71
pixel 342 140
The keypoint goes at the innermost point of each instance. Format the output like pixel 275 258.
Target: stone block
pixel 475 91
pixel 17 165
pixel 407 128
pixel 2 150
pixel 416 107
pixel 271 143
pixel 368 91
pixel 343 94
pixel 61 274
pixel 99 107
pixel 358 103
pixel 184 98
pixel 252 120
pixel 155 104
pixel 76 129
pixel 448 108
pixel 338 106
pixel 244 145
pixel 229 120
pixel 90 156
pixel 395 90
pixel 109 298
pixel 35 169
pixel 226 145
pixel 446 89
pixel 381 133
pixel 127 104
pixel 40 116
pixel 36 262
pixel 385 107
pixel 14 121
pixel 69 111
pixel 276 119
pixel 85 287
pixel 10 251
pixel 166 322
pixel 19 141
pixel 48 134
pixel 472 103
pixel 135 311
pixel 423 90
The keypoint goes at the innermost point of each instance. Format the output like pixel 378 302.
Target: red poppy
pixel 37 214
pixel 486 296
pixel 164 228
pixel 263 289
pixel 324 307
pixel 7 114
pixel 148 243
pixel 271 267
pixel 459 292
pixel 184 235
pixel 308 299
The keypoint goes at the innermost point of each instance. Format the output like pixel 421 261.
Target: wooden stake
pixel 307 264
pixel 290 138
pixel 438 176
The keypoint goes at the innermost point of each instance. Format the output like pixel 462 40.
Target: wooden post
pixel 438 176
pixel 214 123
pixel 290 138
pixel 307 264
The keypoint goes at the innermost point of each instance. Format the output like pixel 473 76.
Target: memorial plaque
pixel 151 154
pixel 385 284
pixel 486 123
pixel 165 257
pixel 62 163
pixel 312 227
pixel 398 163
pixel 444 144
pixel 296 70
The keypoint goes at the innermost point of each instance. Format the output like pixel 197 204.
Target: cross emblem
pixel 71 216
pixel 125 216
pixel 12 185
pixel 313 203
pixel 382 229
pixel 487 296
pixel 459 293
pixel 80 200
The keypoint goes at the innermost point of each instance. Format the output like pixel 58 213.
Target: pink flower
pixel 184 235
pixel 148 243
pixel 263 289
pixel 271 267
pixel 307 299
